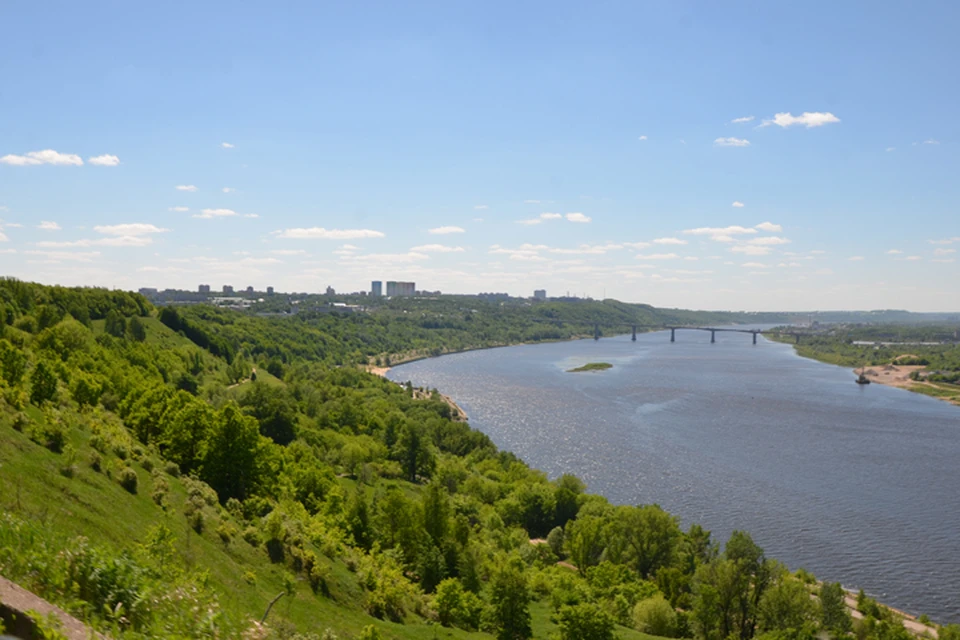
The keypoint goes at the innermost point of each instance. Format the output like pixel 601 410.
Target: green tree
pixel 273 410
pixel 650 537
pixel 86 390
pixel 949 632
pixel 231 465
pixel 43 384
pixel 13 362
pixel 436 512
pixel 449 601
pixel 834 616
pixel 114 324
pixel 584 541
pixel 184 437
pixel 414 452
pixel 786 604
pixel 510 599
pixel 656 617
pixel 138 331
pixel 585 621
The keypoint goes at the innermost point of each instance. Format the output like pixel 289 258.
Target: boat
pixel 862 379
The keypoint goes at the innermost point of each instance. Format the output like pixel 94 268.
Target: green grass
pixel 937 390
pixel 592 366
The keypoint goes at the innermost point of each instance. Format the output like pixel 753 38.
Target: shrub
pixel 252 536
pixel 370 632
pixel 68 467
pixel 147 463
pixel 121 450
pixel 226 532
pixel 250 577
pixel 96 461
pixel 128 479
pixel 52 435
pixel 656 617
pixel 160 490
pixel 21 422
pixel 172 469
pixel 98 443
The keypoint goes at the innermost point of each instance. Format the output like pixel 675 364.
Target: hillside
pixel 161 483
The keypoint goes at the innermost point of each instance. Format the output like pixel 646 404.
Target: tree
pixel 13 363
pixel 584 541
pixel 567 498
pixel 114 324
pixel 650 535
pixel 786 605
pixel 656 617
pixel 414 452
pixel 510 599
pixel 43 384
pixel 834 616
pixel 585 622
pixel 231 465
pixel 184 438
pixel 449 600
pixel 85 389
pixel 274 412
pixel 436 512
pixel 137 329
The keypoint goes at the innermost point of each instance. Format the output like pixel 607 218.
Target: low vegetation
pixel 592 366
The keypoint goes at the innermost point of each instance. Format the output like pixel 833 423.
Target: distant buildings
pixel 204 288
pixel 148 291
pixel 401 288
pixel 540 294
pixel 227 290
pixel 376 288
pixel 250 290
pixel 331 291
pixel 269 291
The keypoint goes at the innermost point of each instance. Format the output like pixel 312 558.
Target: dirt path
pixel 15 598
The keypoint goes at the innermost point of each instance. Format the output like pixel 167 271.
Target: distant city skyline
pixel 742 157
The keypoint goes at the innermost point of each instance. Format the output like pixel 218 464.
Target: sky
pixel 709 155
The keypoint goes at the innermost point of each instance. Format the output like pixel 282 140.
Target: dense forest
pixel 183 473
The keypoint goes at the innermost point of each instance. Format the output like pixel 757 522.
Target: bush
pixel 68 467
pixel 172 469
pixel 160 490
pixel 52 435
pixel 98 443
pixel 226 532
pixel 96 461
pixel 147 463
pixel 21 422
pixel 656 617
pixel 128 479
pixel 370 632
pixel 252 536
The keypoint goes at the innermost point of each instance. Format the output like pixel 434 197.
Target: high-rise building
pixel 401 288
pixel 228 289
pixel 376 288
pixel 204 288
pixel 250 290
pixel 540 294
pixel 269 291
pixel 330 291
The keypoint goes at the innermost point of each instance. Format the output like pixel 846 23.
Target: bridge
pixel 713 331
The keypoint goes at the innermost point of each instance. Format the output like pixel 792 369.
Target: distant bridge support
pixel 596 331
pixel 634 338
pixel 754 337
pixel 673 335
pixel 713 336
pixel 796 337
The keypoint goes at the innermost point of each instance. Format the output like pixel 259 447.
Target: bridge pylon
pixel 634 338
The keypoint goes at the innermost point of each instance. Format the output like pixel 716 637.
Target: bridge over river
pixel 713 331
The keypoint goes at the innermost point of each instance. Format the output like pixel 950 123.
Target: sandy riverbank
pixel 898 375
pixel 458 413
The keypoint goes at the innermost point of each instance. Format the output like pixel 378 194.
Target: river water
pixel 858 484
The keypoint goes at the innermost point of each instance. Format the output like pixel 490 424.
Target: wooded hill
pixel 154 486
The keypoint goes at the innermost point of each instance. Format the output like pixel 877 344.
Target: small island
pixel 592 366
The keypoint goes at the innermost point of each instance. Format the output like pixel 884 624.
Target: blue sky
pixel 584 147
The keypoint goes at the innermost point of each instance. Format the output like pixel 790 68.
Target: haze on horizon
pixel 682 154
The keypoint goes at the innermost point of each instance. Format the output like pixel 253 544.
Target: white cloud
pixel 228 189
pixel 943 252
pixel 931 141
pixel 543 216
pixel 946 240
pixel 226 145
pixel 855 258
pixel 215 213
pixel 809 119
pixel 637 245
pixel 118 241
pixel 47 225
pixel 751 250
pixel 129 229
pixel 531 202
pixel 60 256
pixel 642 138
pixel 4 238
pixel 13 225
pixel 47 156
pixel 889 149
pixel 720 234
pixel 436 248
pixel 768 241
pixel 755 265
pixel 288 252
pixel 669 241
pixel 769 227
pixel 894 252
pixel 251 215
pixel 106 160
pixel 578 217
pixel 179 209
pixel 737 204
pixel 186 187
pixel 440 231
pixel 319 233
pixel 388 258
pixel 657 256
pixel 481 207
pixel 731 142
pixel 943 260
pixel 742 120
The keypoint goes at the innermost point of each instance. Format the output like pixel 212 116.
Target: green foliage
pixel 585 622
pixel 834 616
pixel 13 363
pixel 509 599
pixel 786 604
pixel 43 384
pixel 128 479
pixel 656 617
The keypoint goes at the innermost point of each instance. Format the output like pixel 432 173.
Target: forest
pixel 202 473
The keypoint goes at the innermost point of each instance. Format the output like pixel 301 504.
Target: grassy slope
pixel 93 505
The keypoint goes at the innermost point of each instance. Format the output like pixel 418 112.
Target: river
pixel 858 484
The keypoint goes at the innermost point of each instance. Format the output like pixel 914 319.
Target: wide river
pixel 858 484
